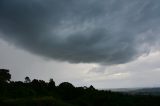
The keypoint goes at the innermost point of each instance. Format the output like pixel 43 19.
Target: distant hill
pixel 146 91
pixel 140 91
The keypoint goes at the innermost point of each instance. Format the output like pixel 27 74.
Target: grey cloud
pixel 92 31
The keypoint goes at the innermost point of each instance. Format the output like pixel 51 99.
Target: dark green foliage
pixel 4 75
pixel 41 93
pixel 51 84
pixel 66 85
pixel 38 101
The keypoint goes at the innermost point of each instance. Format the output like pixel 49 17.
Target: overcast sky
pixel 107 43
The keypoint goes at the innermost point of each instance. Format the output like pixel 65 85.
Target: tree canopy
pixel 4 75
pixel 40 93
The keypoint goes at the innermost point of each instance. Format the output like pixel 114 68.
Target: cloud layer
pixel 92 31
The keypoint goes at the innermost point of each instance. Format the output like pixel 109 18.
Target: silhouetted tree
pixel 18 93
pixel 35 83
pixel 4 75
pixel 42 83
pixel 51 84
pixel 27 80
pixel 91 88
pixel 66 85
pixel 67 91
pixel 38 83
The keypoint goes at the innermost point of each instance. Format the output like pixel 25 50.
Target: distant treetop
pixel 4 75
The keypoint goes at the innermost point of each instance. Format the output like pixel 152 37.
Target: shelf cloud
pixel 84 31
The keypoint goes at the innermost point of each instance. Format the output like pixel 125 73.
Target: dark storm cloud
pixel 89 31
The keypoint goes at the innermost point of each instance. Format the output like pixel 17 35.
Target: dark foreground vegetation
pixel 41 93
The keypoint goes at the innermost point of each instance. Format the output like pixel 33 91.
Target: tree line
pixel 41 93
